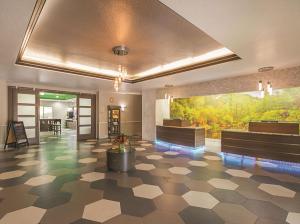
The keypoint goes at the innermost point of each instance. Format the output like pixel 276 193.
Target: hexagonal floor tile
pixel 198 163
pixel 11 174
pixel 29 215
pixel 88 160
pixel 179 170
pixel 99 150
pixel 171 153
pixel 40 180
pixel 140 149
pixel 91 140
pixel 232 213
pixel 154 157
pixel 142 141
pixel 106 144
pixel 214 158
pixel 147 191
pixel 144 166
pixel 170 202
pixel 223 184
pixel 162 217
pixel 293 218
pixel 238 173
pixel 23 156
pixel 29 163
pixel 102 210
pixel 200 199
pixel 92 176
pixel 61 158
pixel 277 190
pixel 34 150
pixel 194 215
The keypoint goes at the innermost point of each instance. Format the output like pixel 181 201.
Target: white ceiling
pixel 261 32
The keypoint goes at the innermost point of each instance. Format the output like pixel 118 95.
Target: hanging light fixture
pixel 168 96
pixel 120 51
pixel 261 89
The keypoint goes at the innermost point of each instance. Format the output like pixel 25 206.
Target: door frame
pixel 93 125
pixel 13 108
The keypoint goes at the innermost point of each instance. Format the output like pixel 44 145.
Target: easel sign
pixel 16 134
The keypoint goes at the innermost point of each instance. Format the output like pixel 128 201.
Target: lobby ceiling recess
pixel 77 36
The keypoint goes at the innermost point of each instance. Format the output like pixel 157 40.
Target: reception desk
pixel 276 146
pixel 185 136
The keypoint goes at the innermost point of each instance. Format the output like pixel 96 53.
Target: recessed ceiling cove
pixel 80 36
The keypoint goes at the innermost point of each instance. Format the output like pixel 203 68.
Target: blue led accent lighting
pixel 180 148
pixel 267 164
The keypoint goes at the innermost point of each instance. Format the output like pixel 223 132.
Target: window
pixel 46 112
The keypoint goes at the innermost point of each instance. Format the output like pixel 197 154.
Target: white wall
pixel 148 114
pixel 3 111
pixel 162 111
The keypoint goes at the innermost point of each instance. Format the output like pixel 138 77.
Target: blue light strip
pixel 268 164
pixel 180 148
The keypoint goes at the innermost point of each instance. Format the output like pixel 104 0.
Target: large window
pixel 46 112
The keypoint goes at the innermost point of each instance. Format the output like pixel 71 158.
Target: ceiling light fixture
pixel 261 89
pixel 168 96
pixel 122 71
pixel 266 69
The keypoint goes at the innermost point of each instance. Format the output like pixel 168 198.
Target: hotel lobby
pixel 150 111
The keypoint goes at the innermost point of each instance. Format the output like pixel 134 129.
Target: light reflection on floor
pixel 234 160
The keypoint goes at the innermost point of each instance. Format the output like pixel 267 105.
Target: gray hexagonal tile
pixel 234 214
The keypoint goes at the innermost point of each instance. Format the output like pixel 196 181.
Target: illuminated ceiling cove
pixel 77 36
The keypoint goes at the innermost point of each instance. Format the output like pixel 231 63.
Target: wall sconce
pixel 123 106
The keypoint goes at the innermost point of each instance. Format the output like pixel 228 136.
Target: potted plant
pixel 121 157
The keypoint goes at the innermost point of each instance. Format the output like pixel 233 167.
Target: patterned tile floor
pixel 62 181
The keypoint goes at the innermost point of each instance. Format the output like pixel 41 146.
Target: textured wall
pixel 148 111
pixel 282 78
pixel 3 112
pixel 131 118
